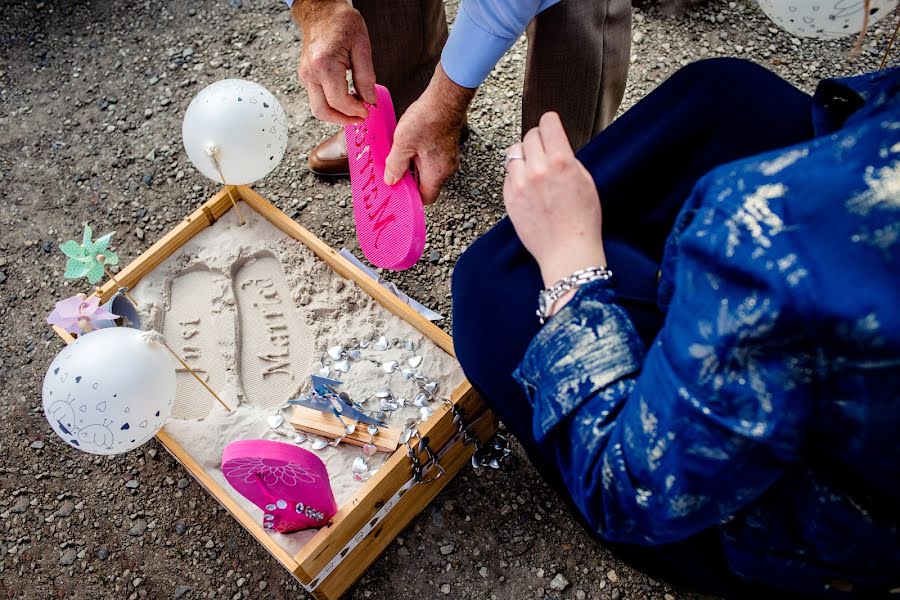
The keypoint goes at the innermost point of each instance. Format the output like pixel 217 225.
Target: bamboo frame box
pixel 339 553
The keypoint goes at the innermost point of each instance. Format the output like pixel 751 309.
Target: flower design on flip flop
pixel 270 470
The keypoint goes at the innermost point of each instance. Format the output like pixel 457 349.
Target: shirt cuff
pixel 587 346
pixel 471 52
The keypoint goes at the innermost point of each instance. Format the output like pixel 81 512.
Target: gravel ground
pixel 91 99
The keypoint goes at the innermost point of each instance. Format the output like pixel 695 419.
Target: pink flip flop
pixel 288 483
pixel 390 220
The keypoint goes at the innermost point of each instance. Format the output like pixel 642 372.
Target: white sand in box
pixel 254 312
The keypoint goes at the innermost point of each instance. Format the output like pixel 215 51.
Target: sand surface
pixel 254 312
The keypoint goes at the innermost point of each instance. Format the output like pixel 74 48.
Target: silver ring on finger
pixel 511 157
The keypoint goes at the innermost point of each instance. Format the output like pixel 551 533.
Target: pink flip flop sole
pixel 288 483
pixel 390 220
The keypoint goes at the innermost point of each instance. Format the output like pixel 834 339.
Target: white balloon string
pixel 211 151
pixel 887 51
pixel 857 47
pixel 120 286
pixel 154 337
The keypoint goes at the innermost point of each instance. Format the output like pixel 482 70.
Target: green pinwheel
pixel 85 258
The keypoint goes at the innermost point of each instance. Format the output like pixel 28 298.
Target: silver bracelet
pixel 547 298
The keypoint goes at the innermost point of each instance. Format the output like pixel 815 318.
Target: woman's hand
pixel 553 203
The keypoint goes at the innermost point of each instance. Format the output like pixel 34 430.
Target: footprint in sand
pixel 276 353
pixel 190 327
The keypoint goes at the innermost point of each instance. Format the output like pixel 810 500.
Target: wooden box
pixel 338 554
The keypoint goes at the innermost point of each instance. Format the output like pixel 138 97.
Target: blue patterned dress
pixel 768 406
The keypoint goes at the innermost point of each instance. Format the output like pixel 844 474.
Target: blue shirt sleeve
pixel 658 444
pixel 483 31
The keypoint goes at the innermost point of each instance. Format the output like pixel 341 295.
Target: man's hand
pixel 428 134
pixel 335 38
pixel 553 203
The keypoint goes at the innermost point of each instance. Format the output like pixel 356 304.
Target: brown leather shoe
pixel 329 158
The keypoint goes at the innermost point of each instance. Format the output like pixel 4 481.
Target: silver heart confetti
pixel 383 393
pixel 420 400
pixel 359 465
pixel 390 366
pixel 405 435
pixel 382 344
pixel 407 373
pixel 325 371
pixel 318 443
pixel 369 449
pixel 342 366
pixel 355 355
pixel 425 412
pixel 372 430
pixel 275 421
pixel 430 387
pixel 335 352
pixel 414 361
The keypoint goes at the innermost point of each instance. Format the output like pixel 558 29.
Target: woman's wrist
pixel 555 268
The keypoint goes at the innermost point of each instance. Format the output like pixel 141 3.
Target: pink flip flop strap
pixel 390 220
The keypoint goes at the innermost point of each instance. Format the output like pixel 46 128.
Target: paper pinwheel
pixel 81 315
pixel 83 261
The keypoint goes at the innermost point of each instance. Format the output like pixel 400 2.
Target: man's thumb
pixel 396 164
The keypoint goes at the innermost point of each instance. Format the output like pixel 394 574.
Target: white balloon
pixel 109 391
pixel 242 123
pixel 824 19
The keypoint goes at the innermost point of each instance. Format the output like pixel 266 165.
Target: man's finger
pixel 339 98
pixel 553 135
pixel 429 187
pixel 397 163
pixel 363 70
pixel 322 111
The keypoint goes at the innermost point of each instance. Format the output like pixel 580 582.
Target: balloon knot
pixel 152 337
pixel 210 149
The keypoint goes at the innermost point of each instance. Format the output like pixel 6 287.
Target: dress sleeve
pixel 657 444
pixel 482 33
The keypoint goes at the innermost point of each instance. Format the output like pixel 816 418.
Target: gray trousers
pixel 577 64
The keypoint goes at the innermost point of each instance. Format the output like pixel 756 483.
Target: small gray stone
pixel 21 505
pixel 132 484
pixel 102 553
pixel 434 256
pixel 181 590
pixel 37 444
pixel 559 583
pixel 447 549
pixel 181 527
pixel 68 557
pixel 138 529
pixel 445 589
pixel 65 509
pixel 183 483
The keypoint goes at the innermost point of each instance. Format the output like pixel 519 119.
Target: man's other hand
pixel 335 38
